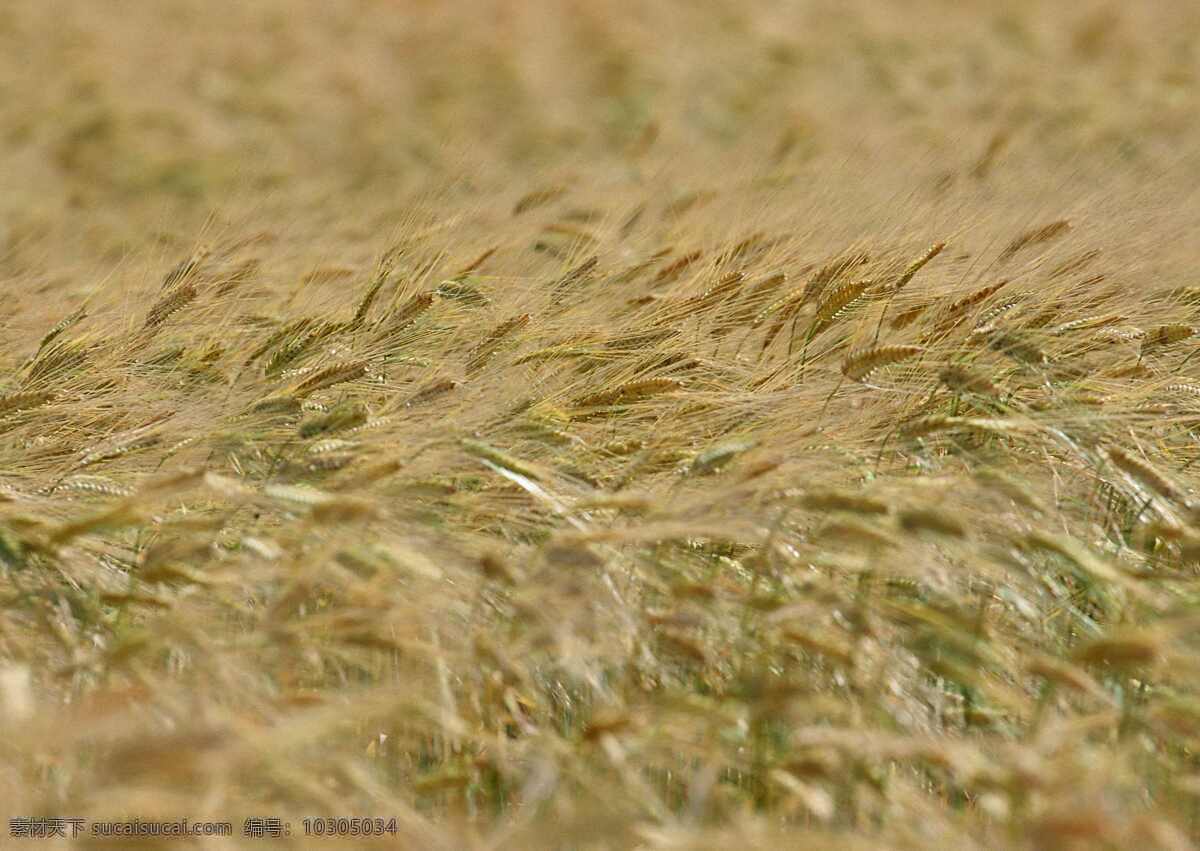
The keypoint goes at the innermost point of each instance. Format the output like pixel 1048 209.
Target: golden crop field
pixel 600 424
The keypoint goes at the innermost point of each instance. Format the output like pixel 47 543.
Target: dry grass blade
pixel 502 459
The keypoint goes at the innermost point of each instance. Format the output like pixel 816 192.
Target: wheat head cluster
pixel 599 425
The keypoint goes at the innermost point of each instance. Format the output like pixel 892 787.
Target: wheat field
pixel 599 425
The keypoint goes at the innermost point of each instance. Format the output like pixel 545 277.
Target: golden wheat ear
pixel 860 364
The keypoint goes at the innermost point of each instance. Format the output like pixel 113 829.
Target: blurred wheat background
pixel 598 425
